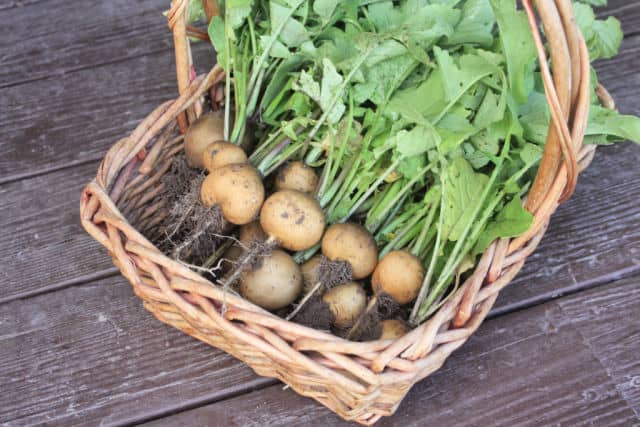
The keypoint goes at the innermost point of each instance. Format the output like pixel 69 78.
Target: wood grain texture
pixel 84 34
pixel 628 12
pixel 38 235
pixel 51 40
pixel 55 123
pixel 59 122
pixel 592 239
pixel 529 368
pixel 10 4
pixel 43 245
pixel 73 117
pixel 91 355
pixel 608 319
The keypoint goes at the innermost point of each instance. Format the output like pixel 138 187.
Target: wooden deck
pixel 77 348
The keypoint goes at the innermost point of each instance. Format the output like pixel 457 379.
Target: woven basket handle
pixel 566 88
pixel 567 92
pixel 185 73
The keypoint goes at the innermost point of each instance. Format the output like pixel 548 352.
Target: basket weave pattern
pixel 358 381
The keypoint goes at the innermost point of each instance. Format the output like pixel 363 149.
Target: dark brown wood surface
pixel 77 348
pixel 91 353
pixel 72 85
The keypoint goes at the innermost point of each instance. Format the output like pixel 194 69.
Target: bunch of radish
pixel 336 288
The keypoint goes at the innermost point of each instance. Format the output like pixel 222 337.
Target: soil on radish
pixel 191 231
pixel 316 313
pixel 334 273
pixel 369 327
pixel 250 258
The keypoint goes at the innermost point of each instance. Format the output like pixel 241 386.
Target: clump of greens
pixel 426 119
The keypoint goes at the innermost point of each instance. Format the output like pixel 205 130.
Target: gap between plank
pixel 259 383
pixel 44 170
pixel 83 68
pixel 544 298
pixel 76 281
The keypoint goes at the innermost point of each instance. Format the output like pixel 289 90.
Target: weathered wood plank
pixel 91 355
pixel 168 388
pixel 56 123
pixel 80 34
pixel 55 235
pixel 620 74
pixel 94 106
pixel 608 319
pixel 532 367
pixel 43 245
pixel 10 4
pixel 593 238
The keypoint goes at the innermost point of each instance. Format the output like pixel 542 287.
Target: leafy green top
pixel 427 117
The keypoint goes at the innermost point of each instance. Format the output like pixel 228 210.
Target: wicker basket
pixel 358 381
